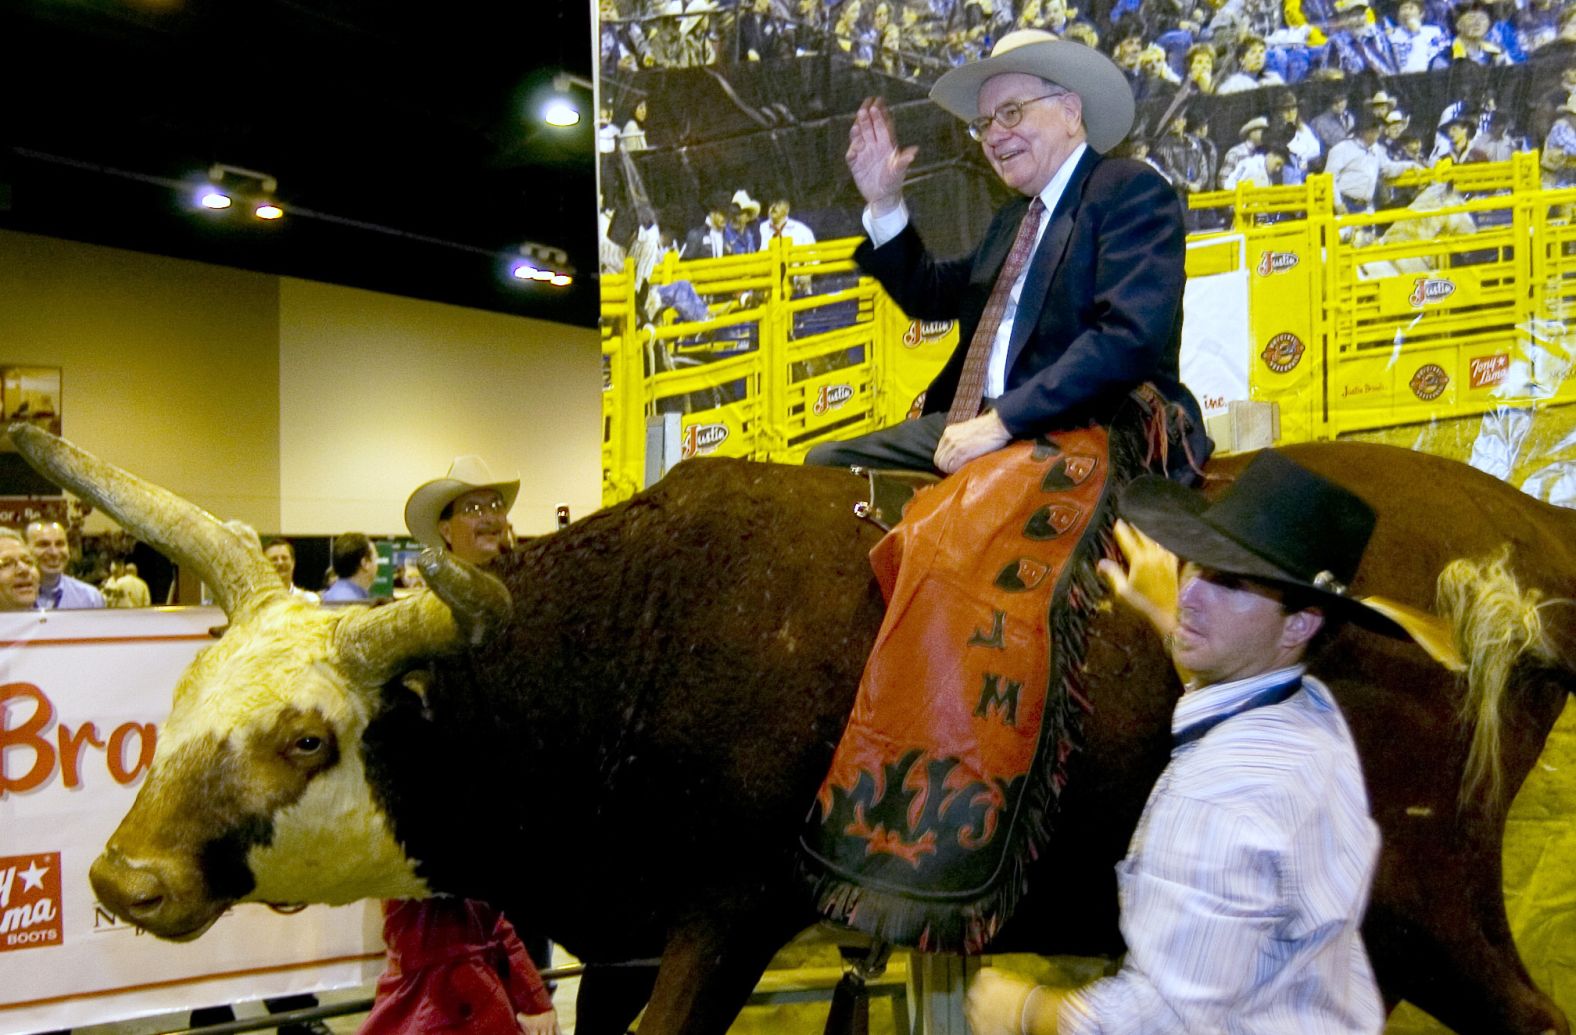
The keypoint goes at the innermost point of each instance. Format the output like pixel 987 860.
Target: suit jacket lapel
pixel 1048 257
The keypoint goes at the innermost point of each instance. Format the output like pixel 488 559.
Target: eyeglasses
pixel 16 561
pixel 1006 116
pixel 471 508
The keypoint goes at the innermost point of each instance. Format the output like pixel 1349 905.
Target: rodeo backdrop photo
pixel 305 391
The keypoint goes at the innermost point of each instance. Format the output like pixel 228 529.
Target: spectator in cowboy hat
pixel 1088 328
pixel 461 953
pixel 743 233
pixel 1250 142
pixel 465 512
pixel 1246 881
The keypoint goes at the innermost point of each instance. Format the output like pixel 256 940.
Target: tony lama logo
pixel 1430 289
pixel 923 332
pixel 29 901
pixel 701 439
pixel 1283 352
pixel 1486 371
pixel 1429 382
pixel 1276 262
pixel 832 397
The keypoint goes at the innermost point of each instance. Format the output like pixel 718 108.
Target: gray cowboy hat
pixel 1107 98
pixel 1279 523
pixel 466 474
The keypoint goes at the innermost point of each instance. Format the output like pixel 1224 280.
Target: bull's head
pixel 258 790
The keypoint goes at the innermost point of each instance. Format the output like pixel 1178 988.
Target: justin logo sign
pixel 29 901
pixel 1276 262
pixel 832 397
pixel 702 439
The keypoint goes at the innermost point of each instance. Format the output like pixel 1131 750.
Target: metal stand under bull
pixel 937 983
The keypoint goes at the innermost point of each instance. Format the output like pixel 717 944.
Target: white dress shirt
pixel 882 229
pixel 1246 880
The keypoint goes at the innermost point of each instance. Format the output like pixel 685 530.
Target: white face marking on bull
pixel 258 790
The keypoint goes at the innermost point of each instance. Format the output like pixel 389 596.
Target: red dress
pixel 454 965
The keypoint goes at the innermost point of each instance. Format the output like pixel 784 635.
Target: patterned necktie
pixel 971 382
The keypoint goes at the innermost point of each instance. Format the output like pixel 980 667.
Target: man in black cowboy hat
pixel 1247 877
pixel 1074 297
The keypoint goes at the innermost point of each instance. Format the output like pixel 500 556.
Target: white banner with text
pixel 82 695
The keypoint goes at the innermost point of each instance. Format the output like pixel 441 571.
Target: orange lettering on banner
pixel 71 750
pixel 33 735
pixel 146 735
pixel 25 736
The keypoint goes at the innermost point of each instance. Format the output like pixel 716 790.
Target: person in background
pixel 1335 123
pixel 1246 879
pixel 710 239
pixel 456 964
pixel 57 590
pixel 281 554
pixel 1250 142
pixel 778 224
pixel 1471 45
pixel 742 235
pixel 124 588
pixel 355 564
pixel 1288 128
pixel 1251 73
pixel 1415 41
pixel 18 573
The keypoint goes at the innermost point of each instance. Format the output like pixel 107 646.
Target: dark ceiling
pixel 404 138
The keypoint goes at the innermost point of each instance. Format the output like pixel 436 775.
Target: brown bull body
pixel 627 764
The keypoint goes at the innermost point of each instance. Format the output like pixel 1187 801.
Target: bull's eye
pixel 307 745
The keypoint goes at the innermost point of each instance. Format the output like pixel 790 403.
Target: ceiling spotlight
pixel 228 184
pixel 542 264
pixel 560 112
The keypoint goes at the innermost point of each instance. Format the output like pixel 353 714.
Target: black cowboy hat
pixel 1279 523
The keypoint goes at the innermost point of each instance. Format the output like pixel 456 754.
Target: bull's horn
pixel 465 608
pixel 234 569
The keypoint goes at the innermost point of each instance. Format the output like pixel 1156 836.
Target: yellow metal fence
pixel 762 355
pixel 1448 308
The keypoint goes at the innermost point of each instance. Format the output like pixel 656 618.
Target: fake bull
pixel 678 668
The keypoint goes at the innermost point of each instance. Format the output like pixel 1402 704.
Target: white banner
pixel 1217 335
pixel 81 696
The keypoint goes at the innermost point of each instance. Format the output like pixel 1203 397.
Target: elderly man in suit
pixel 1074 297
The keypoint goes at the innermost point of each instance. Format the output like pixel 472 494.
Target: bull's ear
pixel 222 556
pixel 464 608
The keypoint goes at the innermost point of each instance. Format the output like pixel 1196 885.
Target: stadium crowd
pixel 1356 54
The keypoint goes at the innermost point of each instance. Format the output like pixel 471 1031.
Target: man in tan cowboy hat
pixel 449 955
pixel 1074 297
pixel 1247 877
pixel 464 512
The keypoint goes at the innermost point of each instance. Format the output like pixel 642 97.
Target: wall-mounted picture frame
pixel 31 394
pixel 27 393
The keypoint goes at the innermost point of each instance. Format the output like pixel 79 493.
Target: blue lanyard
pixel 1268 696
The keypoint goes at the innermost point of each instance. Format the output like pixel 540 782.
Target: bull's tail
pixel 1496 623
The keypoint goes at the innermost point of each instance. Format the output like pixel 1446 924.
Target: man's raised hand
pixel 874 159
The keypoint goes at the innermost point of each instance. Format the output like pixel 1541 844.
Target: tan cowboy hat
pixel 1107 99
pixel 746 203
pixel 1257 122
pixel 466 474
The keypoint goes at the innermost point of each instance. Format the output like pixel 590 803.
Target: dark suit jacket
pixel 697 244
pixel 1100 313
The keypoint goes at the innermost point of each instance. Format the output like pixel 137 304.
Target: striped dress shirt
pixel 1246 880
